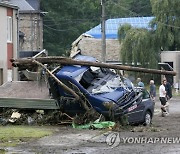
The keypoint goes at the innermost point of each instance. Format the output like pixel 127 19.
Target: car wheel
pixel 147 118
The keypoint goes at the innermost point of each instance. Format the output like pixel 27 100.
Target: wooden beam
pixel 67 61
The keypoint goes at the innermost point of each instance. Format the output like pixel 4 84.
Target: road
pixel 68 140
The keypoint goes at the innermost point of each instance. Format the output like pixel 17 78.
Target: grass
pixel 13 135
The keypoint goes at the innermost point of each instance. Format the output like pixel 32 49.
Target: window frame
pixel 9 29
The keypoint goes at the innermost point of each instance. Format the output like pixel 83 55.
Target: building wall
pixel 93 47
pixel 8 50
pixel 31 25
pixel 3 45
pixel 172 56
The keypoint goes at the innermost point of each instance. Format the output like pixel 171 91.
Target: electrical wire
pixel 72 21
pixel 59 30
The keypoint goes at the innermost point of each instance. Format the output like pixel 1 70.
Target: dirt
pixel 24 89
pixel 69 140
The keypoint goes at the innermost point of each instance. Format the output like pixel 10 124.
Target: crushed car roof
pixel 75 70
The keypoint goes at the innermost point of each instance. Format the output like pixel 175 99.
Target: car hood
pixel 113 96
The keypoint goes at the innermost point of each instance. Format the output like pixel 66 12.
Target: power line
pixel 169 25
pixel 71 21
pixel 59 30
pixel 63 23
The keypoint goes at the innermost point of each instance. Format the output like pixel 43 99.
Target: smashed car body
pixel 108 93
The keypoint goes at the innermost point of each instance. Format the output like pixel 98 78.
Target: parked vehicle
pixel 108 93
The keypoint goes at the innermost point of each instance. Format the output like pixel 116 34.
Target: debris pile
pixel 34 117
pixel 53 117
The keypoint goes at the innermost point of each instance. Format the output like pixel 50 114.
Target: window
pixel 9 29
pixel 1 76
pixel 145 94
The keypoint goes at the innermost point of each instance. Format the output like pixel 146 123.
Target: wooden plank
pixel 26 62
pixel 28 103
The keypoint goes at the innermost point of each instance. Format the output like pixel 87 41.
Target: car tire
pixel 147 118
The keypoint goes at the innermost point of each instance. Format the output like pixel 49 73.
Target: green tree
pixel 66 19
pixel 144 46
pixel 141 7
pixel 167 23
pixel 128 8
pixel 137 46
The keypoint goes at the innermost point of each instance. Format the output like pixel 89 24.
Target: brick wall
pixel 93 47
pixel 31 25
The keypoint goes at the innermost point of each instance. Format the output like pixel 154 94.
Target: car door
pixel 136 111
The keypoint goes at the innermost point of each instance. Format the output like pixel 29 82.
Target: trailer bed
pixel 27 95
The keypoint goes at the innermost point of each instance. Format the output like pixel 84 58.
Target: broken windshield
pixel 100 80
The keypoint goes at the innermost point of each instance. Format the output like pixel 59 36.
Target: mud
pixel 69 140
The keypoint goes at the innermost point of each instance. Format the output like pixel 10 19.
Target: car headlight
pixel 109 105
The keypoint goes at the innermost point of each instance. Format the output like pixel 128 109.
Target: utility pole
pixel 103 33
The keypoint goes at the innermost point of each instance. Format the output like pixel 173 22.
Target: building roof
pixel 34 3
pixel 22 4
pixel 5 4
pixel 25 6
pixel 112 26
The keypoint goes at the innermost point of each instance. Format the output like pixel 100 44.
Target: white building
pixel 8 41
pixel 173 59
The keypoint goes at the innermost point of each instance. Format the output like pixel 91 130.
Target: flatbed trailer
pixel 26 95
pixel 28 103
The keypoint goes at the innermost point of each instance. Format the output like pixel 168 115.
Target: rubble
pixel 33 117
pixel 15 116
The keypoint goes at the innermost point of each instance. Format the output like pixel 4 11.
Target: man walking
pixel 152 90
pixel 168 93
pixel 168 90
pixel 162 97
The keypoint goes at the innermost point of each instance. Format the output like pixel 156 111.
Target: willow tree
pixel 137 46
pixel 167 23
pixel 144 46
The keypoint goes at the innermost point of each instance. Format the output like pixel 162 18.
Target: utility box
pixel 173 59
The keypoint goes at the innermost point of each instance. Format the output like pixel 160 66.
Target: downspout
pixel 17 17
pixel 31 32
pixel 15 71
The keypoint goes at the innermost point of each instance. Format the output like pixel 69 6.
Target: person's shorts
pixel 163 100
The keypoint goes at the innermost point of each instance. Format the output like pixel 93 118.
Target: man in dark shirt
pixel 168 90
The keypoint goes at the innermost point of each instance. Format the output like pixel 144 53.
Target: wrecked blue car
pixel 107 92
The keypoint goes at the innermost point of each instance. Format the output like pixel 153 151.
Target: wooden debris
pixel 21 63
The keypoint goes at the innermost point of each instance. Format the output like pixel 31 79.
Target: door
pixel 168 66
pixel 1 76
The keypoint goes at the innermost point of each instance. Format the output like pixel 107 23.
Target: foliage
pixel 167 23
pixel 128 8
pixel 122 31
pixel 144 46
pixel 66 20
pixel 137 47
pixel 141 7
